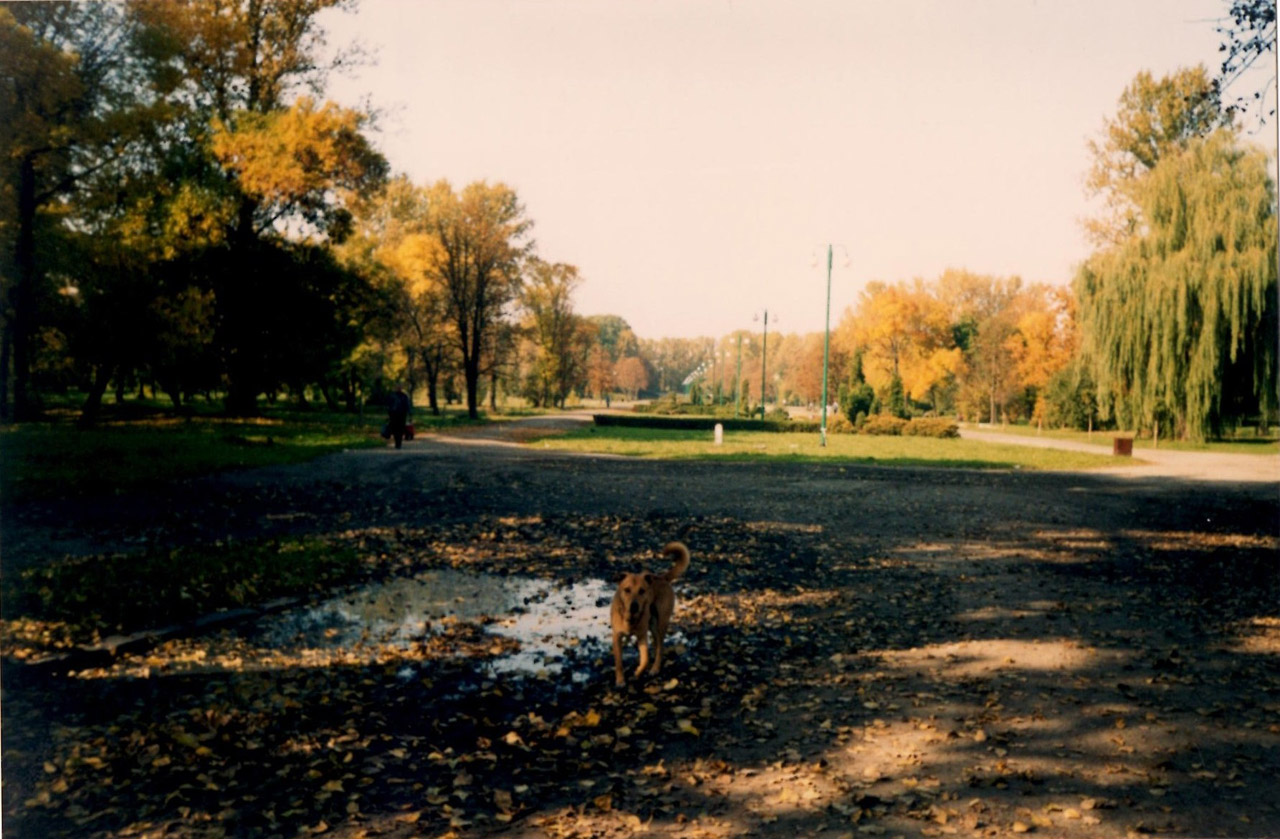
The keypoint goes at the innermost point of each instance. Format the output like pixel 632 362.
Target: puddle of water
pixel 549 619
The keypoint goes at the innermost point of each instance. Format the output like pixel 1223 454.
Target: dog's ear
pixel 648 578
pixel 619 576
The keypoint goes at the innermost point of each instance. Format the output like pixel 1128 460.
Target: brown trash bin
pixel 1122 446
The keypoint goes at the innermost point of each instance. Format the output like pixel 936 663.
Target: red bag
pixel 408 431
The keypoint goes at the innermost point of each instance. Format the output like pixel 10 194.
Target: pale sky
pixel 694 157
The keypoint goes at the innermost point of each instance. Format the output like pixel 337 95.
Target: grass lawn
pixel 57 459
pixel 80 600
pixel 1244 441
pixel 851 448
pixel 52 459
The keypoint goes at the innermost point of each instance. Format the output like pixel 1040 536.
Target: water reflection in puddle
pixel 550 620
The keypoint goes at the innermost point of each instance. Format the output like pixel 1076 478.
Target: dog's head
pixel 636 592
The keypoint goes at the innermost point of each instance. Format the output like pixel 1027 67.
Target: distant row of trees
pixel 177 208
pixel 171 191
pixel 1171 326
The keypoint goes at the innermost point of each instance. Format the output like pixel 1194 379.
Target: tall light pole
pixel 826 350
pixel 764 359
pixel 737 387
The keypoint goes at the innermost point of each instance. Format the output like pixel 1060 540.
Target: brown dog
pixel 643 605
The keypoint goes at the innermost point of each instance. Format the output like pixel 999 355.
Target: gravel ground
pixel 868 651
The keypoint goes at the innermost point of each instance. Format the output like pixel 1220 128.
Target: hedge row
pixel 874 424
pixel 702 423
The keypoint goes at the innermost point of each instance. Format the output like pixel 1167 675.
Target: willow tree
pixel 1179 319
pixel 1154 118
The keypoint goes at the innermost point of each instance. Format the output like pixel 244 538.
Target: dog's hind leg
pixel 659 630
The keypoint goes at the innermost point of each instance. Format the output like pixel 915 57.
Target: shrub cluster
pixel 677 423
pixel 883 424
pixel 932 427
pixel 839 424
pixel 889 424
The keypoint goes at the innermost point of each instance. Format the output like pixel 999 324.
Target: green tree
pixel 482 241
pixel 255 157
pixel 894 400
pixel 558 334
pixel 1154 118
pixel 392 242
pixel 984 315
pixel 69 116
pixel 615 335
pixel 1179 320
pixel 856 396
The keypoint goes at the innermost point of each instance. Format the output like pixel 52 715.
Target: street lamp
pixel 737 386
pixel 826 342
pixel 764 358
pixel 826 350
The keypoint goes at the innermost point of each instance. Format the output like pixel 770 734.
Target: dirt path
pixel 867 652
pixel 1157 463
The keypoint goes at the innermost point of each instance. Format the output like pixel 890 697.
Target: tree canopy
pixel 1180 319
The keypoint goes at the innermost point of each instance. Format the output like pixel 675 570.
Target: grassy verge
pixel 1244 441
pixel 57 459
pixel 854 448
pixel 79 600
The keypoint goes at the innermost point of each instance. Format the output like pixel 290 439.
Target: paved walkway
pixel 1145 464
pixel 1155 463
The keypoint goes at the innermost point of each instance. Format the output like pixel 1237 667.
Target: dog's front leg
pixel 643 640
pixel 619 678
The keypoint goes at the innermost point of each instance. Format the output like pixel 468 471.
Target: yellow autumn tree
pixel 903 331
pixel 392 241
pixel 292 162
pixel 1044 341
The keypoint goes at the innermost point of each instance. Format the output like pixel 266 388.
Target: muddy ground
pixel 863 652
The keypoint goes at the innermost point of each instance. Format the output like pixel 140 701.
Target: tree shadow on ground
pixel 1062 677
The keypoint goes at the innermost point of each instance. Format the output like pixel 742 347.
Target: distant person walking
pixel 398 414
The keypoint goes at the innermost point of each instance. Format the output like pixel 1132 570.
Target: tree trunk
pixel 21 296
pixel 241 400
pixel 471 372
pixel 6 341
pixel 92 406
pixel 409 369
pixel 327 393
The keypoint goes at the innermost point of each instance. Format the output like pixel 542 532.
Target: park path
pixel 867 650
pixel 1146 463
pixel 1155 463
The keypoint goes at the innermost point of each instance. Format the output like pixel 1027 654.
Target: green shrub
pixel 883 424
pixel 701 423
pixel 778 415
pixel 932 427
pixel 894 399
pixel 856 398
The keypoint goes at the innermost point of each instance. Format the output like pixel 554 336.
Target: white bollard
pixel 719 434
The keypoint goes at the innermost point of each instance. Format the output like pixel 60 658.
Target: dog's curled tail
pixel 681 553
